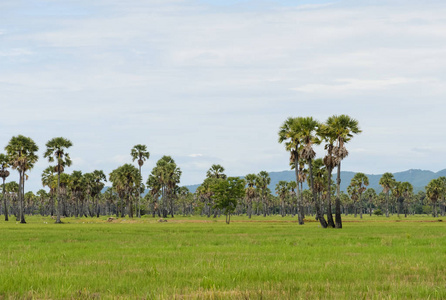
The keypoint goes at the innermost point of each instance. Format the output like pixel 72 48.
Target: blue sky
pixel 211 81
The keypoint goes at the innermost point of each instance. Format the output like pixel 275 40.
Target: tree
pixel 360 181
pixel 282 191
pixel 216 171
pixel 387 181
pixel 343 127
pixel 309 128
pixel 434 191
pixel 290 133
pixel 370 194
pixel 140 153
pixel 262 182
pixel 164 179
pixel 4 173
pixel 406 193
pixel 128 178
pixel 56 151
pixel 250 192
pixel 226 194
pixel 21 151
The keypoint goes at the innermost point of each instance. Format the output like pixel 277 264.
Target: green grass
pixel 187 258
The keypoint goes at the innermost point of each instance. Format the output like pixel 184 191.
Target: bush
pixel 377 212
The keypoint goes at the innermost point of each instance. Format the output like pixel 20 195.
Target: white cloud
pixel 184 78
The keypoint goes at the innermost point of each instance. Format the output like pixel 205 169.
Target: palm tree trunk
pixel 387 205
pixel 315 200
pixel 22 196
pixel 300 213
pixel 338 219
pixel 329 213
pixel 4 201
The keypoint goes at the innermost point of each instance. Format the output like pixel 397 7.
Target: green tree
pixel 309 127
pixel 216 171
pixel 56 151
pixel 434 191
pixel 21 151
pixel 227 192
pixel 387 181
pixel 129 178
pixel 164 180
pixel 262 181
pixel 139 152
pixel 370 194
pixel 250 192
pixel 360 181
pixel 4 173
pixel 343 127
pixel 290 133
pixel 282 192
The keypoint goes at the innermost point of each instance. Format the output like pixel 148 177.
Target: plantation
pixel 201 258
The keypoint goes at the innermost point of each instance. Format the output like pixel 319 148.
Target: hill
pixel 418 178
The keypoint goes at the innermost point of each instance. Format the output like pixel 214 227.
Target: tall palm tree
pixel 216 171
pixel 370 194
pixel 343 127
pixel 406 193
pixel 360 181
pixel 434 191
pixel 262 182
pixel 282 192
pixel 387 181
pixel 4 173
pixel 48 181
pixel 56 151
pixel 290 133
pixel 21 151
pixel 328 134
pixel 139 152
pixel 309 127
pixel 250 191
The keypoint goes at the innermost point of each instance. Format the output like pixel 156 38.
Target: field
pixel 200 258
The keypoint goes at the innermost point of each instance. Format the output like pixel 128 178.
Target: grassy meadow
pixel 190 258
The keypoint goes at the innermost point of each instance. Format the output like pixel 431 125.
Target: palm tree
pixel 164 179
pixel 328 134
pixel 290 131
pixel 282 191
pixel 292 185
pixel 406 192
pixel 343 127
pixel 371 195
pixel 360 181
pixel 262 182
pixel 216 171
pixel 250 191
pixel 308 136
pixel 434 191
pixel 56 150
pixel 387 181
pixel 4 173
pixel 140 153
pixel 128 178
pixel 21 151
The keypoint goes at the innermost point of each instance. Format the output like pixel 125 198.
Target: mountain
pixel 418 178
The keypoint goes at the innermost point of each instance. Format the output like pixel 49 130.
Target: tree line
pixel 83 194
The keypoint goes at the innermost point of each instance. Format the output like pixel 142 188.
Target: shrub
pixel 377 212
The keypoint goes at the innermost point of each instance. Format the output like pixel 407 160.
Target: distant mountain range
pixel 418 178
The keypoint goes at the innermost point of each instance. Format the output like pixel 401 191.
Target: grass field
pixel 189 258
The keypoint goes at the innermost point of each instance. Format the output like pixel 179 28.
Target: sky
pixel 210 82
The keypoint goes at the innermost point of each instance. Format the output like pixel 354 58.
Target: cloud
pixel 350 84
pixel 211 84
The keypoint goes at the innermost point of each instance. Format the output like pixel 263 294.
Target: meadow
pixel 201 258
